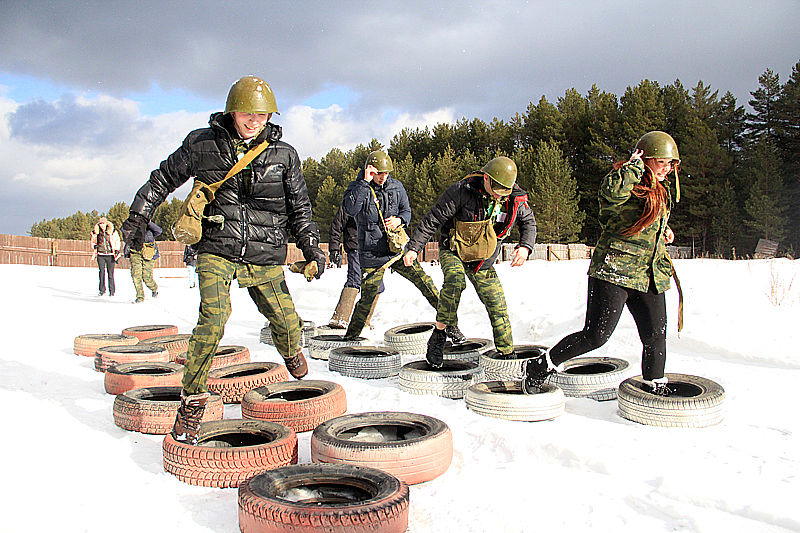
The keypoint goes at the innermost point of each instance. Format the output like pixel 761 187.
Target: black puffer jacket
pixel 259 212
pixel 343 231
pixel 464 200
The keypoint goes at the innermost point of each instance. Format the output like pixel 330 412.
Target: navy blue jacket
pixel 358 202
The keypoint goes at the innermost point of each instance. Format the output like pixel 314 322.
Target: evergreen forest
pixel 739 172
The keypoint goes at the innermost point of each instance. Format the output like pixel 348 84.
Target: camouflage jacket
pixel 630 261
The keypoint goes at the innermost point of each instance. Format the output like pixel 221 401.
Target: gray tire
pixel 409 339
pixel 368 362
pixel 450 381
pixel 695 402
pixel 470 351
pixel 309 330
pixel 495 369
pixel 505 399
pixel 591 377
pixel 319 347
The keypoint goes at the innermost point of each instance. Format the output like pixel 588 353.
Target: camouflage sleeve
pixel 617 185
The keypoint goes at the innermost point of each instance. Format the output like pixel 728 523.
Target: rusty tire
pixel 413 447
pixel 149 331
pixel 153 409
pixel 300 405
pixel 108 356
pixel 233 382
pixel 128 376
pixel 229 452
pixel 176 344
pixel 225 356
pixel 323 498
pixel 87 345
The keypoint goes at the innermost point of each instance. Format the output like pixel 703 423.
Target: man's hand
pixel 369 173
pixel 637 154
pixel 669 235
pixel 519 256
pixel 336 257
pixel 409 258
pixel 320 259
pixel 393 222
pixel 133 230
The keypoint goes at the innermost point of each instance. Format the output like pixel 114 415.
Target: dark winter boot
pixel 435 353
pixel 190 414
pixel 341 315
pixel 454 334
pixel 537 371
pixel 658 387
pixel 296 364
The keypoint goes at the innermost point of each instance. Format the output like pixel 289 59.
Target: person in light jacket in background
pixel 106 248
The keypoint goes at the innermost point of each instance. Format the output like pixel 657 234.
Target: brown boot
pixel 296 364
pixel 341 315
pixel 190 414
pixel 368 322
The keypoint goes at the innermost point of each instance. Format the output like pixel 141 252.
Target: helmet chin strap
pixel 677 185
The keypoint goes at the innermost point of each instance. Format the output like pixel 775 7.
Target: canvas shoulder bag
pixel 188 229
pixel 398 238
pixel 473 241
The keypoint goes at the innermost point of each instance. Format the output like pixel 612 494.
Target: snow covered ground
pixel 67 467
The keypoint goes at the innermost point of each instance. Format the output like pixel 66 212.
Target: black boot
pixel 537 372
pixel 435 353
pixel 455 334
pixel 658 387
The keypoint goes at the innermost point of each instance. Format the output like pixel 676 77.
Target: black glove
pixel 133 230
pixel 318 256
pixel 336 258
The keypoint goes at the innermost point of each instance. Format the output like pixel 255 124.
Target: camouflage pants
pixel 142 269
pixel 489 290
pixel 371 280
pixel 266 286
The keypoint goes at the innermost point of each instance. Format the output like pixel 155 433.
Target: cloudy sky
pixel 94 94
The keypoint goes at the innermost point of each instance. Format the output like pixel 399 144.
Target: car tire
pixel 153 409
pixel 450 381
pixel 300 405
pixel 366 362
pixel 233 382
pixel 505 399
pixel 128 376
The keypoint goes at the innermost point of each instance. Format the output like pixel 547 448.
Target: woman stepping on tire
pixel 630 265
pixel 475 215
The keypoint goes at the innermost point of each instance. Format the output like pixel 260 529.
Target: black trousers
pixel 105 263
pixel 604 305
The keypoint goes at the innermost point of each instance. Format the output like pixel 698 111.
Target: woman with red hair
pixel 630 266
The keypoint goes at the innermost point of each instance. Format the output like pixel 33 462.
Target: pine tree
pixel 329 198
pixel 765 207
pixel 542 122
pixel 731 124
pixel 554 192
pixel 763 120
pixel 725 219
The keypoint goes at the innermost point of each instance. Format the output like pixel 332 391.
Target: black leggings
pixel 604 305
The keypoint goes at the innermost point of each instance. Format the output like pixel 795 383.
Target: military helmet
pixel 380 160
pixel 251 95
pixel 503 172
pixel 658 145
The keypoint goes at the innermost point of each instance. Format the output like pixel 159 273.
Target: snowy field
pixel 68 468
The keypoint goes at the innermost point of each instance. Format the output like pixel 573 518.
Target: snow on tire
pixel 177 344
pixel 233 382
pixel 153 409
pixel 127 376
pixel 87 345
pixel 591 377
pixel 149 331
pixel 694 402
pixel 450 381
pixel 323 498
pixel 300 405
pixel 320 346
pixel 229 452
pixel 409 339
pixel 108 356
pixel 413 447
pixel 470 350
pixel 495 369
pixel 225 356
pixel 368 362
pixel 505 399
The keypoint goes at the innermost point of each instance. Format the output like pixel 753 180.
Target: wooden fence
pixel 19 250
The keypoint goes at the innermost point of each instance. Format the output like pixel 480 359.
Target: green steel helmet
pixel 251 95
pixel 659 145
pixel 380 160
pixel 502 170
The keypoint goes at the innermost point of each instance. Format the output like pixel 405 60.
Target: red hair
pixel 655 198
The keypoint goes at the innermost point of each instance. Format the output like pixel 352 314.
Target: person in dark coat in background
pixel 190 260
pixel 143 261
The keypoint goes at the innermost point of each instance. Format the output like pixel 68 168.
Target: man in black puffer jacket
pixel 489 199
pixel 246 229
